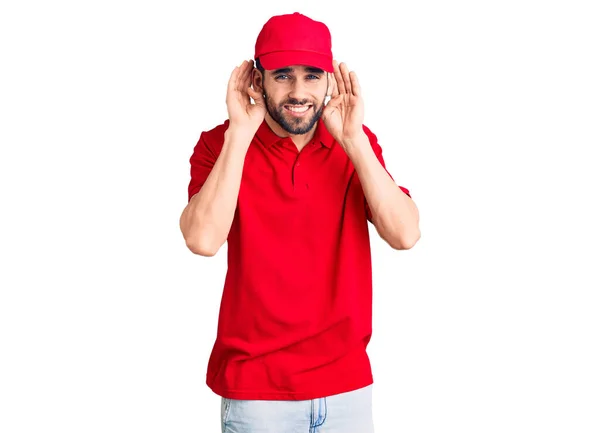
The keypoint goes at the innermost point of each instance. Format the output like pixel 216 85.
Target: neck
pixel 300 140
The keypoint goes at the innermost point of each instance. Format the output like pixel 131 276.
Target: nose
pixel 298 91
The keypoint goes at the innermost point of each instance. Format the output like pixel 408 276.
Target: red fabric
pixel 295 314
pixel 294 39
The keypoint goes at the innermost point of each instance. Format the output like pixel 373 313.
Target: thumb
pixel 334 102
pixel 331 106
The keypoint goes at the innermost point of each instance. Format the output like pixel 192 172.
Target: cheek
pixel 275 100
pixel 320 97
pixel 273 93
pixel 320 94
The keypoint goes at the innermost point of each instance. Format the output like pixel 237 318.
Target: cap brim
pixel 283 59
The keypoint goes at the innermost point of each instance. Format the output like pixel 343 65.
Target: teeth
pixel 298 109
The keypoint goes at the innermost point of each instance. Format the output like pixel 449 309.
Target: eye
pixel 281 77
pixel 312 77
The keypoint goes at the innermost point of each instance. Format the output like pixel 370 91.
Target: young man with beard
pixel 290 182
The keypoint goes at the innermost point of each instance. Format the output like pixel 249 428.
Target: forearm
pixel 394 214
pixel 206 220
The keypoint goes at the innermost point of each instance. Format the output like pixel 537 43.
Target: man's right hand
pixel 244 117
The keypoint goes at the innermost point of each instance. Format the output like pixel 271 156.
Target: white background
pixel 488 112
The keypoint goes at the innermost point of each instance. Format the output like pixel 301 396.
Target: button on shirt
pixel 295 314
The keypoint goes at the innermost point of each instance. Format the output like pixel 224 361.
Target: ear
pixel 257 80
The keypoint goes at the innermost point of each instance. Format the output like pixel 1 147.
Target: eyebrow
pixel 306 69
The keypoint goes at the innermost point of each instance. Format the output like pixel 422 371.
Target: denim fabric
pixel 349 412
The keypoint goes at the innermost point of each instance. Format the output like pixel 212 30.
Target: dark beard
pixel 295 126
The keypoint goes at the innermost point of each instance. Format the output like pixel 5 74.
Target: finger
pixel 334 88
pixel 346 77
pixel 233 79
pixel 244 76
pixel 247 75
pixel 335 102
pixel 338 78
pixel 355 85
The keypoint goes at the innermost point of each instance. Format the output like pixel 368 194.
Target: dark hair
pixel 259 66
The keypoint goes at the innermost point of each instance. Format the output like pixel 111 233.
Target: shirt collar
pixel 268 138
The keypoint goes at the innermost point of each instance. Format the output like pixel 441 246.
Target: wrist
pixel 356 142
pixel 238 136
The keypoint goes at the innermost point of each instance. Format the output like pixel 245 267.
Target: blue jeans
pixel 349 412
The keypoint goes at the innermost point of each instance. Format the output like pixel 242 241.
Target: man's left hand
pixel 344 114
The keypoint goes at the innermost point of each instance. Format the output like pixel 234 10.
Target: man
pixel 290 182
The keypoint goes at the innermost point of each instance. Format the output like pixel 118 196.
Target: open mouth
pixel 297 110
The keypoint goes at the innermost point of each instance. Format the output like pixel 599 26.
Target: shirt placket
pixel 300 170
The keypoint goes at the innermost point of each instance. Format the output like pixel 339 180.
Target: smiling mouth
pixel 297 109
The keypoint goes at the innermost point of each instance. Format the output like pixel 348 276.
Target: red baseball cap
pixel 294 39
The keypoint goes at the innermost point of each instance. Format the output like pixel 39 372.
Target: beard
pixel 295 126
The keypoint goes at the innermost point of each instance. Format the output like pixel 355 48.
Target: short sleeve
pixel 201 163
pixel 379 153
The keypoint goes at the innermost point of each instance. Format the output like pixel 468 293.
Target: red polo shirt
pixel 295 315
